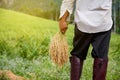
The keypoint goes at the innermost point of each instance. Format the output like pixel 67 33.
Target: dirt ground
pixel 8 75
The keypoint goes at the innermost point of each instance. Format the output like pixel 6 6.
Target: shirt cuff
pixel 62 12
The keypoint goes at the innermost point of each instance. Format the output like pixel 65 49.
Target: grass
pixel 24 43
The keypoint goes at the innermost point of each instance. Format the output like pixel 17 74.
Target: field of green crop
pixel 24 45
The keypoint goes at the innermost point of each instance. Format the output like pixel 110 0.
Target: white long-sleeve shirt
pixel 91 16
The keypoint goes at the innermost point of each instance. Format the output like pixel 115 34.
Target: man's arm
pixel 63 22
pixel 65 12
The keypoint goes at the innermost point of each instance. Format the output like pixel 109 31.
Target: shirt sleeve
pixel 67 5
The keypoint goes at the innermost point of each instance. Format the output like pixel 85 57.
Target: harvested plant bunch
pixel 59 49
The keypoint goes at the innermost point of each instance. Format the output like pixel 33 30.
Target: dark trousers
pixel 99 41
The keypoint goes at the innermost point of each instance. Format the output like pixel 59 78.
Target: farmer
pixel 93 24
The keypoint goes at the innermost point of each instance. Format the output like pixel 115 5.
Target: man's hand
pixel 63 26
pixel 63 23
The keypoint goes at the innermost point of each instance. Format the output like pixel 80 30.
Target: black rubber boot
pixel 76 68
pixel 100 69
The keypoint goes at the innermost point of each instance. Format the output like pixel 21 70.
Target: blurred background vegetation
pixel 116 15
pixel 42 8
